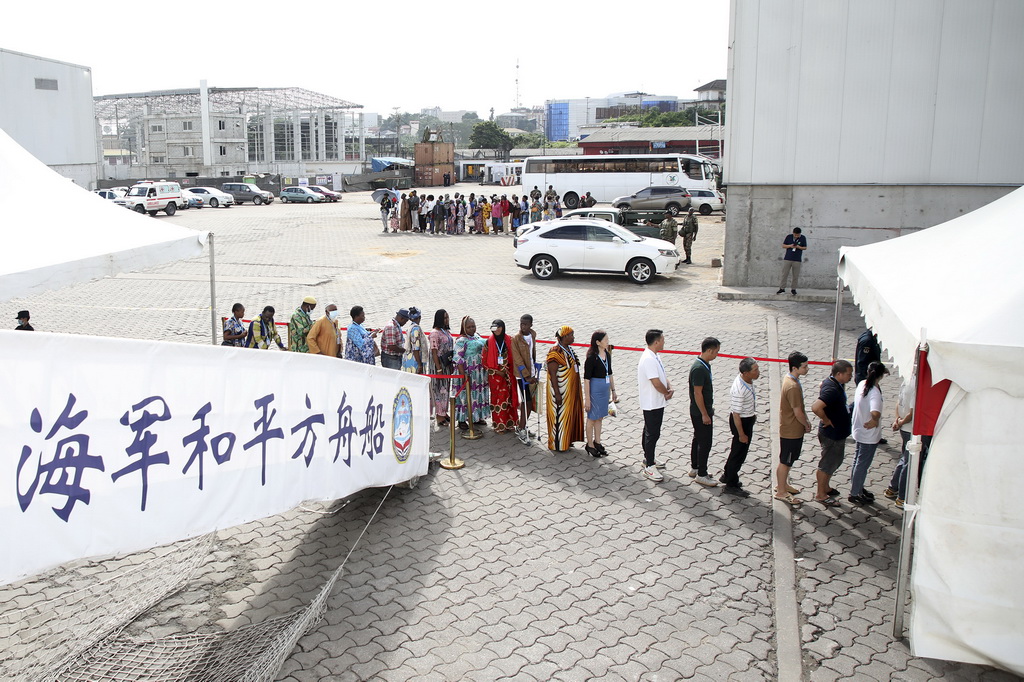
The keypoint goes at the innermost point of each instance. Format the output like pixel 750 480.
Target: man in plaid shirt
pixel 392 345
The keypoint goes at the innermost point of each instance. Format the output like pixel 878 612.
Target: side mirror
pixel 618 240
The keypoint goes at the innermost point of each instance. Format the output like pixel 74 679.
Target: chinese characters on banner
pixel 122 445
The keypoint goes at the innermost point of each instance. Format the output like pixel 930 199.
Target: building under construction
pixel 227 132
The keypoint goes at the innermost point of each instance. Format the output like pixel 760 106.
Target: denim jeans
pixel 862 458
pixel 899 476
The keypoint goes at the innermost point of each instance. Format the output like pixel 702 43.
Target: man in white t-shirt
pixel 654 391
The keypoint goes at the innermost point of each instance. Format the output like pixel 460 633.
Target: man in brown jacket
pixel 524 359
pixel 324 337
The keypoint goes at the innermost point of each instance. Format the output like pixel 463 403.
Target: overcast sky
pixel 455 54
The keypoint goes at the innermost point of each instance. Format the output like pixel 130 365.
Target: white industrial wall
pixel 57 126
pixel 876 92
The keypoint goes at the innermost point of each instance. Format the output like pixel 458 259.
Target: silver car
pixel 671 199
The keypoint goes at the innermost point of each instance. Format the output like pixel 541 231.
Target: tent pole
pixel 838 318
pixel 907 536
pixel 214 327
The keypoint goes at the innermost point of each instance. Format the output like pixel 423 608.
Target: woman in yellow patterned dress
pixel 565 395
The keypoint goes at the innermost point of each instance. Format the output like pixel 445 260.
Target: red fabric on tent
pixel 930 398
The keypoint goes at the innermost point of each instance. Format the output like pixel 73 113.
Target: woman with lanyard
pixel 565 402
pixel 442 350
pixel 504 392
pixel 598 389
pixel 475 401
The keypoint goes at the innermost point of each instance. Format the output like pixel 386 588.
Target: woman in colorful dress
pixel 504 393
pixel 485 212
pixel 405 215
pixel 469 350
pixel 460 216
pixel 476 220
pixel 557 206
pixel 416 359
pixel 565 398
pixel 535 211
pixel 234 331
pixel 515 213
pixel 442 352
pixel 598 389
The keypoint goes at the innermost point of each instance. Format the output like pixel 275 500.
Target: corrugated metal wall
pixel 876 91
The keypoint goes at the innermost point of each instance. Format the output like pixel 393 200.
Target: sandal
pixel 789 499
pixel 828 501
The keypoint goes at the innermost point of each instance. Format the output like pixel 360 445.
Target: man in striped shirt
pixel 743 406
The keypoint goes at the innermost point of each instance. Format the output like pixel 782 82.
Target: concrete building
pixel 563 118
pixel 859 123
pixel 227 132
pixel 46 106
pixel 712 94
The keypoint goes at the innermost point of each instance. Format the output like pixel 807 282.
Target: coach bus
pixel 607 176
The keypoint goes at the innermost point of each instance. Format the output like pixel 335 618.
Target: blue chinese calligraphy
pixel 373 432
pixel 263 432
pixel 309 434
pixel 221 452
pixel 346 432
pixel 144 441
pixel 63 473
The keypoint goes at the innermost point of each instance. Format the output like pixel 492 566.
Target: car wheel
pixel 544 267
pixel 139 208
pixel 640 270
pixel 705 209
pixel 214 203
pixel 571 200
pixel 257 200
pixel 674 209
pixel 309 200
pixel 171 208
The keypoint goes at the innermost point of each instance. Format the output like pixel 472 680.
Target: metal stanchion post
pixel 472 434
pixel 452 462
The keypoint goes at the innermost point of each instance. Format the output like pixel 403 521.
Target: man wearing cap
pixel 299 326
pixel 23 325
pixel 392 346
pixel 324 336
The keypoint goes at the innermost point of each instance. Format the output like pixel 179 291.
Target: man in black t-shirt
pixel 702 409
pixel 831 408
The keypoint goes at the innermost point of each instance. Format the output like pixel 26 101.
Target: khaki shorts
pixel 832 454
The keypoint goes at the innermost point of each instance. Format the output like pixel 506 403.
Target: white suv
pixel 584 245
pixel 706 200
pixel 212 196
pixel 153 197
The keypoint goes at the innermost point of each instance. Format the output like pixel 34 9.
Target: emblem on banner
pixel 401 425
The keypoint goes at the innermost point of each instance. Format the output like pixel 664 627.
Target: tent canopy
pixel 961 284
pixel 382 163
pixel 56 233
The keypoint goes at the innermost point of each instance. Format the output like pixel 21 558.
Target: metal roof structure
pixel 671 134
pixel 223 100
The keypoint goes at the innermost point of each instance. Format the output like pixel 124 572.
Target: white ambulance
pixel 153 196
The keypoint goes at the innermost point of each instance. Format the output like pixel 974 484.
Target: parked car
pixel 110 194
pixel 212 196
pixel 706 200
pixel 244 192
pixel 643 223
pixel 153 197
pixel 588 245
pixel 192 200
pixel 301 194
pixel 329 194
pixel 671 199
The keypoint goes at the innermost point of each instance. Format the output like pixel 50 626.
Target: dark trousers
pixel 700 449
pixel 738 451
pixel 652 432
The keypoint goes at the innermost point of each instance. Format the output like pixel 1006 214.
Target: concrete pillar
pixel 204 124
pixel 321 138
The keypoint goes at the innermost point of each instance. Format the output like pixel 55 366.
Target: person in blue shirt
pixel 795 244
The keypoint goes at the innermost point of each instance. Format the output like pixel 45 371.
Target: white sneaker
pixel 706 481
pixel 659 465
pixel 653 474
pixel 693 473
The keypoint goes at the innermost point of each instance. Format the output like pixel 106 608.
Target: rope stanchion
pixel 452 463
pixel 472 434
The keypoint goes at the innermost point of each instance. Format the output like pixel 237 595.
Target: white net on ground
pixel 65 611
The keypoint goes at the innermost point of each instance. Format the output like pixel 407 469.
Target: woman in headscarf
pixel 565 398
pixel 416 359
pixel 535 211
pixel 452 210
pixel 460 216
pixel 504 393
pixel 485 209
pixel 405 215
pixel 474 402
pixel 442 351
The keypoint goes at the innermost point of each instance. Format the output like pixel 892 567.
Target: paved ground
pixel 526 565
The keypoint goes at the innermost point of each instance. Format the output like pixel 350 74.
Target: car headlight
pixel 671 253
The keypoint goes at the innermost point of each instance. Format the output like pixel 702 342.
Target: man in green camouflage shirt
pixel 668 228
pixel 688 232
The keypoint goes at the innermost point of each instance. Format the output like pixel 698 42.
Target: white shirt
pixel 650 367
pixel 908 395
pixel 863 406
pixel 742 398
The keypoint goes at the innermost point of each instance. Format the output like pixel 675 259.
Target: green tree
pixel 487 135
pixel 529 141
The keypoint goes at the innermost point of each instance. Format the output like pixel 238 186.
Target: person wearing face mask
pixel 473 401
pixel 299 325
pixel 504 393
pixel 324 336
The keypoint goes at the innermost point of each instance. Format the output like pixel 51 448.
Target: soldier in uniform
pixel 668 228
pixel 688 232
pixel 535 193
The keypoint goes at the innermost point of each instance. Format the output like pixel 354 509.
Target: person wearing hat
pixel 392 346
pixel 417 354
pixel 324 337
pixel 23 325
pixel 299 326
pixel 565 393
pixel 689 233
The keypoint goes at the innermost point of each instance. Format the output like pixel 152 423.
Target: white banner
pixel 114 445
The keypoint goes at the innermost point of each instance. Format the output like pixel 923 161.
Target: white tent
pixel 959 288
pixel 56 233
